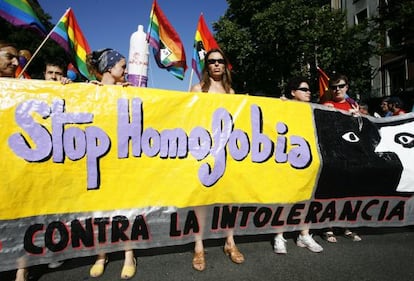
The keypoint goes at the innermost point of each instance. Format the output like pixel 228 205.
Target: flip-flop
pixel 329 236
pixel 353 236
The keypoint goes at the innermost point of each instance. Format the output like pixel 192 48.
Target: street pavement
pixel 383 254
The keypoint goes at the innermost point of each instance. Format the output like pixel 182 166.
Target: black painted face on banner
pixel 350 165
pixel 399 139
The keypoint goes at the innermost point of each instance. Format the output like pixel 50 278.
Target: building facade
pixel 394 70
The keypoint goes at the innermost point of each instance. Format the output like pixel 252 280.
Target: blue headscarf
pixel 107 59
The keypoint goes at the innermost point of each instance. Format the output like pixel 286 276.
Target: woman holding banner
pixel 298 90
pixel 216 78
pixel 109 67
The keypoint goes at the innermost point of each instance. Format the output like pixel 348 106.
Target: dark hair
pixel 396 101
pixel 100 61
pixel 294 84
pixel 336 78
pixel 59 63
pixel 363 105
pixel 226 79
pixel 4 44
pixel 92 62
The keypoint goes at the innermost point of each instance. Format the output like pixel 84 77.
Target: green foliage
pixel 268 42
pixel 29 39
pixel 397 20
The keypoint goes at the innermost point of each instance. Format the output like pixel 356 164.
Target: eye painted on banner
pixel 405 139
pixel 350 137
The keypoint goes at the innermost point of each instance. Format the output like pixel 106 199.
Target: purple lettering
pixel 74 141
pixel 173 143
pixel 222 126
pixel 129 129
pixel 97 145
pixel 151 142
pixel 262 146
pixel 299 157
pixel 39 134
pixel 239 145
pixel 199 143
pixel 59 119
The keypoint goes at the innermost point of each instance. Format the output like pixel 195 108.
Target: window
pixel 361 17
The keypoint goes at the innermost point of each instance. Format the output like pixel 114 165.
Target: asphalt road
pixel 384 254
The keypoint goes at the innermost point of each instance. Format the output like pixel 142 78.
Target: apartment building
pixel 394 71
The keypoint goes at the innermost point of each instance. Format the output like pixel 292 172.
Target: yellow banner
pixel 82 147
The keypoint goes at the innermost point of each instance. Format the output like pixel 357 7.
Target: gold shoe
pixel 98 268
pixel 128 271
pixel 199 261
pixel 22 274
pixel 234 254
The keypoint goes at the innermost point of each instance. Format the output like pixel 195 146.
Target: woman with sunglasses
pixel 109 67
pixel 216 75
pixel 216 78
pixel 298 90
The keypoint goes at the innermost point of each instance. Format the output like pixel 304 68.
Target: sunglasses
pixel 213 61
pixel 303 89
pixel 334 87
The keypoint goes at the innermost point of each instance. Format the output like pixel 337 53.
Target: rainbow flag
pixel 68 35
pixel 166 45
pixel 203 42
pixel 323 81
pixel 20 13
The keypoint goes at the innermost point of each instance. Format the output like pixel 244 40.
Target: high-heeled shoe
pixel 199 261
pixel 234 254
pixel 98 268
pixel 128 271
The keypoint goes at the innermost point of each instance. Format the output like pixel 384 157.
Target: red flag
pixel 323 81
pixel 203 42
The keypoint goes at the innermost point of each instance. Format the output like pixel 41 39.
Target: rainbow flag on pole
pixel 20 13
pixel 166 45
pixel 203 42
pixel 68 34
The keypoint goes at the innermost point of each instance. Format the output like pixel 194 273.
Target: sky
pixel 109 24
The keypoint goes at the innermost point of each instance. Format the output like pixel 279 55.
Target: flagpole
pixel 150 23
pixel 191 79
pixel 148 40
pixel 41 45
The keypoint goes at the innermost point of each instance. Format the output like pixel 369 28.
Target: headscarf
pixel 106 59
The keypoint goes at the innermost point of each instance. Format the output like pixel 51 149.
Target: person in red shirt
pixel 395 104
pixel 339 86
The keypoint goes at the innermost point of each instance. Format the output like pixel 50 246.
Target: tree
pixel 396 18
pixel 30 40
pixel 270 41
